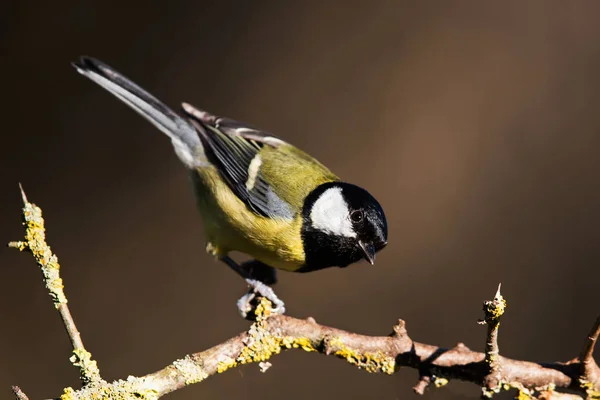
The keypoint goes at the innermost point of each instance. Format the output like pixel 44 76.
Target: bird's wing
pixel 269 175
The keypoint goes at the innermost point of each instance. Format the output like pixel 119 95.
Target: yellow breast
pixel 230 226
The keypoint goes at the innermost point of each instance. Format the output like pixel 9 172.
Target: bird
pixel 257 194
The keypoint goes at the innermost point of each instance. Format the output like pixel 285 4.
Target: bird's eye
pixel 356 216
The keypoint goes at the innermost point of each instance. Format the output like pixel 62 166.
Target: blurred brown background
pixel 476 125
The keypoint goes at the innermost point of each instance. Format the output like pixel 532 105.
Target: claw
pixel 245 302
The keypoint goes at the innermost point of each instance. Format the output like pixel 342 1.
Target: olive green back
pixel 293 174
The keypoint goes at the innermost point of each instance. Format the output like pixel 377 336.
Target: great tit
pixel 257 194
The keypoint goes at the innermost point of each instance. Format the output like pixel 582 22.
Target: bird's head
pixel 342 224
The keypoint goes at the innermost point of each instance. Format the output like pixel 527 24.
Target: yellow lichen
pixel 439 382
pixel 263 310
pixel 522 392
pixel 489 393
pixel 35 242
pixel 261 344
pixel 301 342
pixel 132 388
pixel 495 309
pixel 593 394
pixel 68 394
pixel 89 368
pixel 225 363
pixel 371 362
pixel 523 395
pixel 191 370
pixel 590 389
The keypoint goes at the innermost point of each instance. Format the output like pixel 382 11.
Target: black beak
pixel 368 251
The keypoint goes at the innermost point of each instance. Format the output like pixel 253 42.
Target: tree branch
pixel 590 372
pixel 493 310
pixel 586 355
pixel 19 394
pixel 270 334
pixel 35 243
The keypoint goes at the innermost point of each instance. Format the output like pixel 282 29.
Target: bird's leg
pixel 258 276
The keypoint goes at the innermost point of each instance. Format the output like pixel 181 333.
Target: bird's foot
pixel 257 288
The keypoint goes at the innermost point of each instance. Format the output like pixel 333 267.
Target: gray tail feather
pixel 182 133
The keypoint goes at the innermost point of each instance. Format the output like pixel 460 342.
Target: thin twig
pixel 493 311
pixel 590 372
pixel 587 352
pixel 35 243
pixel 19 394
pixel 421 386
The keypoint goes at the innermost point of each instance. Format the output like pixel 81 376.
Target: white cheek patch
pixel 330 214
